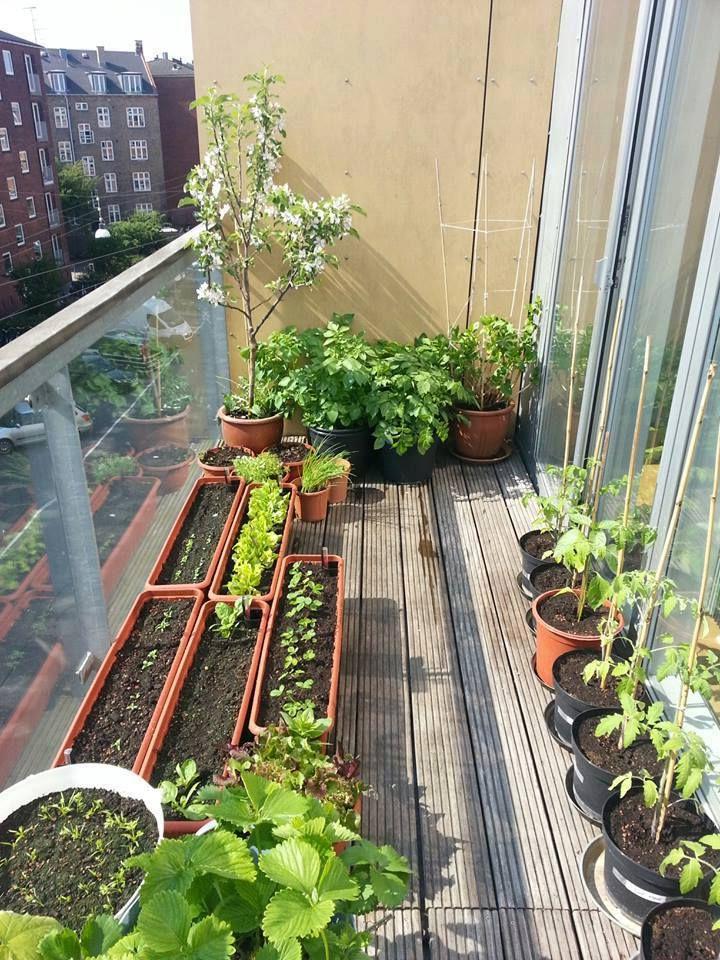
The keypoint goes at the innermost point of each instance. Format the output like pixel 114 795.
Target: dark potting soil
pixel 222 456
pixel 164 456
pixel 290 452
pixel 569 671
pixel 190 556
pixel 539 543
pixel 206 713
pixel 320 668
pixel 111 520
pixel 560 612
pixel 684 933
pixel 551 578
pixel 631 830
pixel 268 573
pixel 49 872
pixel 24 651
pixel 116 724
pixel 603 752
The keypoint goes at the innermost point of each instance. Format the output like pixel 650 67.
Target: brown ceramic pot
pixel 479 434
pixel 256 435
pixel 143 434
pixel 312 507
pixel 338 488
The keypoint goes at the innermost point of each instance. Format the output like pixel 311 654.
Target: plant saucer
pixel 549 714
pixel 530 620
pixel 505 452
pixel 537 675
pixel 570 791
pixel 592 867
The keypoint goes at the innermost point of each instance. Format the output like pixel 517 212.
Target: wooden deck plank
pixel 539 935
pixel 456 863
pixel 399 936
pixel 601 939
pixel 458 932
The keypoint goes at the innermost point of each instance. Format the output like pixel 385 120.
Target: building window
pixel 103 116
pixel 65 151
pixel 138 150
pixel 57 81
pixel 141 181
pixel 81 105
pixel 39 123
pixel 4 139
pixel 61 118
pixel 56 248
pixel 88 165
pixel 113 212
pixel 32 77
pixel 131 82
pixel 16 114
pixel 12 188
pixel 24 162
pixel 20 235
pixel 8 63
pixel 30 201
pixel 97 83
pixel 136 116
pixel 143 208
pixel 37 249
pixel 7 263
pixel 85 132
pixel 2 216
pixel 110 183
pixel 95 200
pixel 107 150
pixel 52 211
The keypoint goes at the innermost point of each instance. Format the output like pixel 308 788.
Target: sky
pixel 162 25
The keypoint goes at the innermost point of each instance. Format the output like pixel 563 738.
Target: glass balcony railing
pixel 121 383
pixel 41 130
pixel 48 176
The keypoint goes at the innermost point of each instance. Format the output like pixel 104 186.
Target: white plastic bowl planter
pixel 96 776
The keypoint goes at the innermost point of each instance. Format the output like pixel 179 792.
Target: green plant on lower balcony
pixel 18 556
pixel 105 468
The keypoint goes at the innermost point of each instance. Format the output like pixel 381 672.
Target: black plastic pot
pixel 634 888
pixel 409 467
pixel 646 931
pixel 354 443
pixel 545 565
pixel 591 784
pixel 529 562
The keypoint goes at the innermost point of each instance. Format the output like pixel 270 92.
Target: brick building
pixel 30 219
pixel 103 112
pixel 175 82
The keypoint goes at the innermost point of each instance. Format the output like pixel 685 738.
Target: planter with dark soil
pixel 597 760
pixel 121 521
pixel 169 463
pixel 65 835
pixel 256 434
pixel 316 683
pixel 292 455
pixel 559 630
pixel 218 461
pixel 572 695
pixel 146 433
pixel 32 659
pixel 271 573
pixel 192 550
pixel 351 442
pixel 549 576
pixel 207 707
pixel 122 707
pixel 409 467
pixel 680 930
pixel 632 859
pixel 536 547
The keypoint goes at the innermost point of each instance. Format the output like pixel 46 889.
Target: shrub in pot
pixel 246 214
pixel 319 470
pixel 489 359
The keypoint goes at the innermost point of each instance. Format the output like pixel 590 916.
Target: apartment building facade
pixel 31 225
pixel 175 82
pixel 103 113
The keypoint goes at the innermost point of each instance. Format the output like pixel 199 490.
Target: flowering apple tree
pixel 245 213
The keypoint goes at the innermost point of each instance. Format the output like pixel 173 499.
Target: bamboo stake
pixel 593 518
pixel 485 287
pixel 701 613
pixel 529 238
pixel 442 247
pixel 473 273
pixel 522 244
pixel 571 385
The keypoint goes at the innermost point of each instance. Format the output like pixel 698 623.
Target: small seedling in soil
pixel 178 793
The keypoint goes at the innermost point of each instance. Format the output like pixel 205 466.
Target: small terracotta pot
pixel 173 475
pixel 144 434
pixel 293 469
pixel 338 488
pixel 256 435
pixel 312 507
pixel 482 437
pixel 552 643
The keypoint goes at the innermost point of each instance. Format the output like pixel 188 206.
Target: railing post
pixel 58 410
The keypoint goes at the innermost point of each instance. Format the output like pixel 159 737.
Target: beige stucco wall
pixel 376 92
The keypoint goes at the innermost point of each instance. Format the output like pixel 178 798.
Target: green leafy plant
pixel 693 856
pixel 256 547
pixel 226 617
pixel 554 509
pixel 178 793
pixel 265 466
pixel 318 470
pixel 19 554
pixel 112 465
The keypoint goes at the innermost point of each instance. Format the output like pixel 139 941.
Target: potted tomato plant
pixel 680 928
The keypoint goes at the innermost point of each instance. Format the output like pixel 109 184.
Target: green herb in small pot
pixel 265 466
pixel 318 470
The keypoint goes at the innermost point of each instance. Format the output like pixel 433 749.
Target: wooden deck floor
pixel 438 699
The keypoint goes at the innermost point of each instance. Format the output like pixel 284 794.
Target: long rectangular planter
pixel 22 722
pixel 257 610
pixel 119 557
pixel 108 663
pixel 177 531
pixel 217 587
pixel 333 563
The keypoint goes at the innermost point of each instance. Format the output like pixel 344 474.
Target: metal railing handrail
pixel 30 359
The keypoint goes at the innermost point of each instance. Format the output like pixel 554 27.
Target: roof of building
pixel 11 38
pixel 165 66
pixel 77 65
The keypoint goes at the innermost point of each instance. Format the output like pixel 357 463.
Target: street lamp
pixel 102 232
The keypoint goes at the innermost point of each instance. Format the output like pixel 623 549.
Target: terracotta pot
pixel 220 473
pixel 172 476
pixel 176 530
pixel 256 435
pixel 338 488
pixel 482 437
pixel 109 662
pixel 261 611
pixel 144 434
pixel 217 586
pixel 552 643
pixel 312 507
pixel 342 845
pixel 119 557
pixel 293 468
pixel 334 563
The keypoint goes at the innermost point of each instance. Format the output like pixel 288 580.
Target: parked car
pixel 24 425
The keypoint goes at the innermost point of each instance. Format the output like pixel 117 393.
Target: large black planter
pixel 353 443
pixel 591 784
pixel 409 467
pixel 646 931
pixel 529 562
